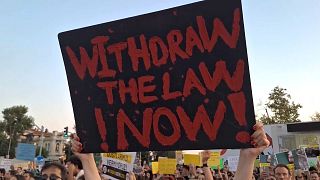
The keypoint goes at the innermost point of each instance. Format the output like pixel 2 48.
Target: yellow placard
pixel 167 166
pixel 264 164
pixel 291 166
pixel 192 159
pixel 155 167
pixel 121 156
pixel 257 163
pixel 214 159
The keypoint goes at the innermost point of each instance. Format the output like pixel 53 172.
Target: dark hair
pixel 314 172
pixel 81 177
pixel 19 177
pixel 76 161
pixel 2 170
pixel 186 167
pixel 30 173
pixel 312 168
pixel 280 166
pixel 57 165
pixel 12 172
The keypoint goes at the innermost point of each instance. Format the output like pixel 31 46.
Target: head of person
pixel 312 168
pixel 300 175
pixel 19 170
pixel 314 175
pixel 28 175
pixel 17 177
pixel 12 172
pixel 148 174
pixel 199 170
pixel 263 174
pixel 76 162
pixel 54 170
pixel 185 170
pixel 12 167
pixel 282 172
pixel 271 178
pixel 2 172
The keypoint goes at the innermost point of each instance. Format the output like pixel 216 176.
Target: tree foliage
pixel 315 116
pixel 15 121
pixel 282 109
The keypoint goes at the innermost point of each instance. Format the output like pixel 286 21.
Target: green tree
pixel 15 121
pixel 4 143
pixel 282 109
pixel 315 116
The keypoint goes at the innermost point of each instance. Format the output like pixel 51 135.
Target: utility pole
pixel 41 138
pixel 41 141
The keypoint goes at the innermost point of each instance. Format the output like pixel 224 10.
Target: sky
pixel 282 42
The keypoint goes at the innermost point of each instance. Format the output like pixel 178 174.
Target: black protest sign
pixel 174 79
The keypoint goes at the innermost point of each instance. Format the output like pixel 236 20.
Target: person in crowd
pixel 2 173
pixel 12 171
pixel 89 165
pixel 271 177
pixel 7 175
pixel 312 168
pixel 244 170
pixel 200 174
pixel 53 170
pixel 314 175
pixel 185 172
pixel 28 175
pixel 17 177
pixel 206 170
pixel 300 175
pixel 19 171
pixel 246 160
pixel 282 172
pixel 248 156
pixel 74 168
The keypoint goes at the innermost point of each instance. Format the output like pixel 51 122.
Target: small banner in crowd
pixel 214 159
pixel 312 162
pixel 5 163
pixel 264 158
pixel 192 159
pixel 155 167
pixel 117 165
pixel 282 158
pixel 167 165
pixel 233 162
pixel 169 80
pixel 300 159
pixel 25 152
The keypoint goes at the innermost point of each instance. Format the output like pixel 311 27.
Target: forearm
pixel 245 167
pixel 90 168
pixel 70 176
pixel 207 173
pixel 292 174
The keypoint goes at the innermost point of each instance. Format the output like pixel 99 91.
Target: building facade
pixel 52 142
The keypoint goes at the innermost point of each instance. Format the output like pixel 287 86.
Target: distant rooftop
pixel 304 126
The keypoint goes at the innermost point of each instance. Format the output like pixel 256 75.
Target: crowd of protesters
pixel 82 166
pixel 72 170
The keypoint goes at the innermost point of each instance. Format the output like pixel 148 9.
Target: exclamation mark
pixel 238 104
pixel 102 129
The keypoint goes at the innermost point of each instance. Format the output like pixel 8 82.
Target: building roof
pixel 304 126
